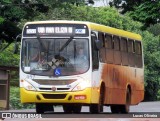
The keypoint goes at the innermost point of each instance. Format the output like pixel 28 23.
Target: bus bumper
pixel 82 97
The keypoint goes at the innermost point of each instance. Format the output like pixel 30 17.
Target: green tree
pixel 152 65
pixel 7 58
pixel 11 12
pixel 126 5
pixel 147 13
pixel 154 29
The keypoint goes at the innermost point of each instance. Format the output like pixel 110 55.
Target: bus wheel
pixel 72 108
pixel 115 108
pixel 97 108
pixel 42 107
pixel 67 108
pixel 77 108
pixel 125 108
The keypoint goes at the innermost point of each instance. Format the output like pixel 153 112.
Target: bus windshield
pixel 45 57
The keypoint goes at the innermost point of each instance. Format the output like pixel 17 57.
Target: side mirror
pixel 98 44
pixel 15 51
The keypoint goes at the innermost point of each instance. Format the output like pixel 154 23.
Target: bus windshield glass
pixel 56 56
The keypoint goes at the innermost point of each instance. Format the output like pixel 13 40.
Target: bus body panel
pixel 117 78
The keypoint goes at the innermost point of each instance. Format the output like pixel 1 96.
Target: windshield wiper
pixel 66 44
pixel 60 59
pixel 42 47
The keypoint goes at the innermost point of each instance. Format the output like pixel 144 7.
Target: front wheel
pixel 72 108
pixel 97 108
pixel 42 107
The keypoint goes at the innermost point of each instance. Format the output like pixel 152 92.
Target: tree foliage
pixel 11 14
pixel 154 29
pixel 126 5
pixel 7 58
pixel 145 11
pixel 152 65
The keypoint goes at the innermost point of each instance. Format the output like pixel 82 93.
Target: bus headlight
pixel 27 86
pixel 81 86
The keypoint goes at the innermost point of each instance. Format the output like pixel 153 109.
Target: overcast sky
pixel 98 3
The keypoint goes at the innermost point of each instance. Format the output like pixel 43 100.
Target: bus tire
pixel 115 109
pixel 67 108
pixel 72 108
pixel 97 108
pixel 42 107
pixel 77 108
pixel 125 108
pixel 39 108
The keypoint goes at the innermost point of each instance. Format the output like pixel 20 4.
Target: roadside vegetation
pixel 14 102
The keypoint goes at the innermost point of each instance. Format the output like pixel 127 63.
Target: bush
pixel 15 100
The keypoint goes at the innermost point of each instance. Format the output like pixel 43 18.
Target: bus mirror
pixel 98 44
pixel 15 51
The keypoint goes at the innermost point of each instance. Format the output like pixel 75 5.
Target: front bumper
pixel 84 97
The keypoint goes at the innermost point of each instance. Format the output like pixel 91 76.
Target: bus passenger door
pixel 95 70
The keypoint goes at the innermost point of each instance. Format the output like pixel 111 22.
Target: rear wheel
pixel 97 108
pixel 115 108
pixel 42 107
pixel 122 108
pixel 125 108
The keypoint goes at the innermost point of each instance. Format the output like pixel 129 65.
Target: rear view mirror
pixel 98 44
pixel 15 51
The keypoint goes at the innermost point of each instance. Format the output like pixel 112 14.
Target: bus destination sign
pixel 49 30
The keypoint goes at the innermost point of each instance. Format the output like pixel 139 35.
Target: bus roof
pixel 94 26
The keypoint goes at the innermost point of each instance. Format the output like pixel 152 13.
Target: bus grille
pixel 54 96
pixel 49 89
pixel 55 82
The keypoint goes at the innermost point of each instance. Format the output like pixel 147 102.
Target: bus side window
pixel 138 48
pixel 95 59
pixel 131 52
pixel 117 53
pixel 124 50
pixel 109 48
pixel 138 53
pixel 101 38
pixel 102 52
pixel 108 41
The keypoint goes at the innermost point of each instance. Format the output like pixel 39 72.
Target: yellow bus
pixel 75 64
